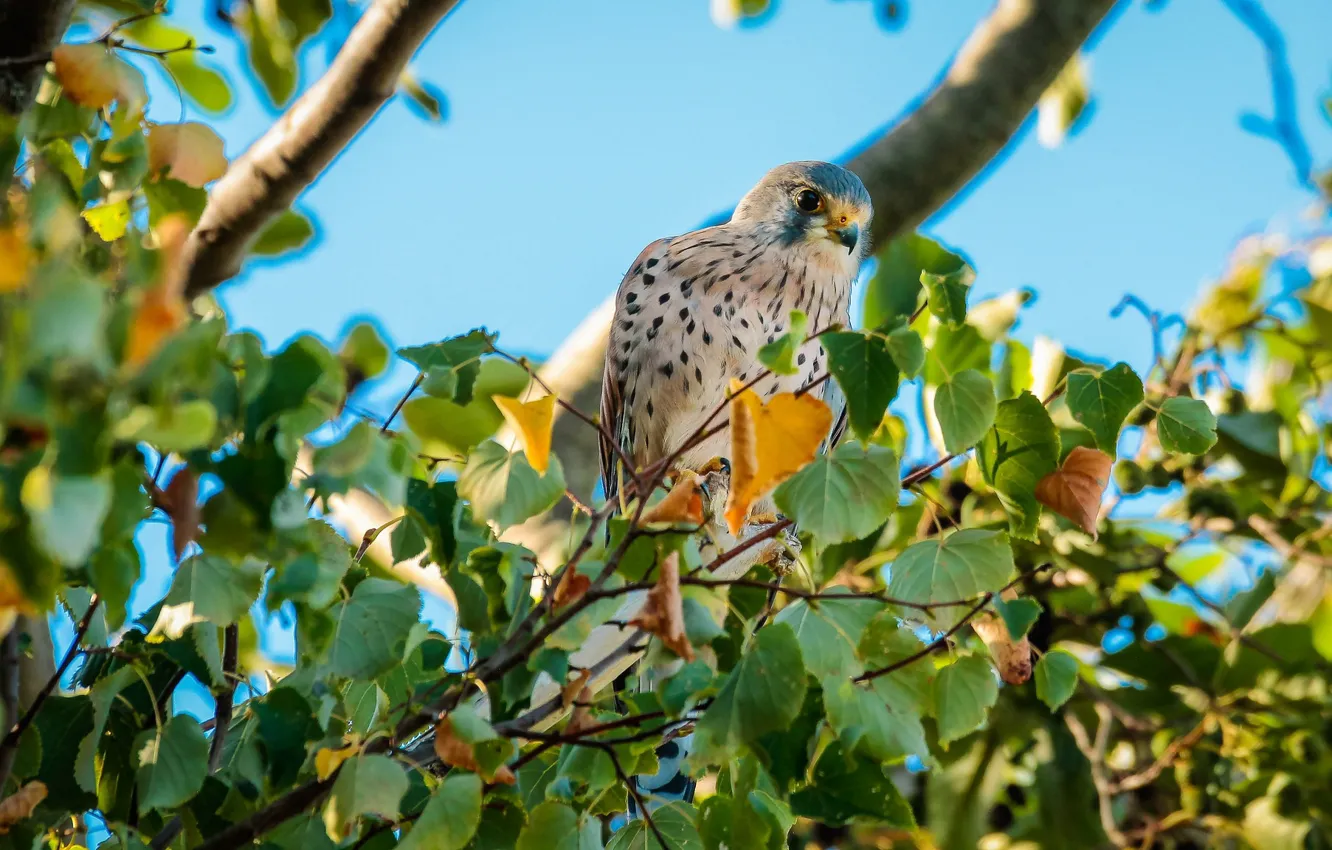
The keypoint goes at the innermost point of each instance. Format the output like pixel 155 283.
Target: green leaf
pixel 779 356
pixel 828 631
pixel 1020 450
pixel 102 696
pixel 67 512
pixel 686 687
pixel 208 588
pixel 965 407
pixel 172 764
pixel 843 495
pixel 290 231
pixel 451 366
pixel 447 429
pixel 906 690
pixel 867 375
pixel 962 565
pixel 365 351
pixel 366 785
pixel 372 628
pixel 450 818
pixel 428 99
pixel 847 788
pixel 895 288
pixel 964 692
pixel 763 693
pixel 113 572
pixel 555 826
pixel 67 316
pixel 503 487
pixel 907 350
pixel 109 220
pixel 862 718
pixel 1102 401
pixel 1185 425
pixel 676 822
pixel 948 296
pixel 1019 615
pixel 1056 677
pixel 176 428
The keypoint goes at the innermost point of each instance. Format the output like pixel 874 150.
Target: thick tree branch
pixel 310 134
pixel 28 31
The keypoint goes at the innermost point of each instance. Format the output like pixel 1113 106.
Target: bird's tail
pixel 670 784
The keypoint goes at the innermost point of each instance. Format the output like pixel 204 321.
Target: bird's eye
pixel 808 201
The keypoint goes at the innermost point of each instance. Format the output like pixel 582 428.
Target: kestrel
pixel 693 311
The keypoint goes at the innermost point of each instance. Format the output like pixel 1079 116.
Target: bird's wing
pixel 836 400
pixel 615 428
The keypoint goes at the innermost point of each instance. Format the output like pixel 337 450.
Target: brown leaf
pixel 1012 658
pixel 91 74
pixel 683 505
pixel 575 686
pixel 571 588
pixel 15 257
pixel 19 805
pixel 190 152
pixel 161 309
pixel 662 613
pixel 456 752
pixel 1075 489
pixel 581 719
pixel 181 503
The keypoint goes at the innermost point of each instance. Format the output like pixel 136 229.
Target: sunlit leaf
pixel 532 420
pixel 770 443
pixel 1075 489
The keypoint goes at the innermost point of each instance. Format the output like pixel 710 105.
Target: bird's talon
pixel 763 518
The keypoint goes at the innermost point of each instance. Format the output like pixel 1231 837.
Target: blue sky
pixel 581 130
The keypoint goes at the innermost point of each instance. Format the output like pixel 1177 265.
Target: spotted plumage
pixel 694 310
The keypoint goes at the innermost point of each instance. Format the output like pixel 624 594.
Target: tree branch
pixel 28 31
pixel 310 134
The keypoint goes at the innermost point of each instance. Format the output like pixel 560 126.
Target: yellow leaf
pixel 533 421
pixel 19 805
pixel 328 760
pixel 15 258
pixel 770 443
pixel 108 221
pixel 191 152
pixel 1075 489
pixel 683 505
pixel 663 612
pixel 161 309
pixel 93 75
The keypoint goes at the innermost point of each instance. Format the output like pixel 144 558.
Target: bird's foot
pixel 783 550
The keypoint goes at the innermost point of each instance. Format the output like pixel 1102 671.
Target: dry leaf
pixel 90 74
pixel 15 258
pixel 770 443
pixel 571 588
pixel 533 421
pixel 454 751
pixel 576 685
pixel 1012 658
pixel 19 805
pixel 581 719
pixel 328 760
pixel 190 152
pixel 1075 489
pixel 12 601
pixel 181 499
pixel 683 505
pixel 161 309
pixel 662 613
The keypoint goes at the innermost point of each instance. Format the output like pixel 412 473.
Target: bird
pixel 690 317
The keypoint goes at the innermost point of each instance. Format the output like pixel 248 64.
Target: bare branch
pixel 269 176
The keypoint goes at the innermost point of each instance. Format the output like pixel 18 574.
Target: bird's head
pixel 818 208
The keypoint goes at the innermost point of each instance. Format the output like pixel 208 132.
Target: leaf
pixel 763 693
pixel 109 220
pixel 1012 655
pixel 964 692
pixel 456 736
pixel 1020 450
pixel 366 785
pixel 160 310
pixel 207 588
pixel 452 365
pixel 867 374
pixel 779 356
pixel 450 817
pixel 91 74
pixel 907 350
pixel 846 788
pixel 556 826
pixel 683 505
pixel 1062 103
pixel 172 764
pixel 906 690
pixel 965 407
pixel 447 429
pixel 960 566
pixel 662 613
pixel 503 487
pixel 948 296
pixel 828 631
pixel 66 512
pixel 863 719
pixel 290 231
pixel 19 806
pixel 1019 615
pixel 190 152
pixel 181 502
pixel 1056 677
pixel 371 629
pixel 1101 401
pixel 1185 425
pixel 102 696
pixel 894 291
pixel 1076 489
pixel 533 421
pixel 770 443
pixel 676 822
pixel 428 99
pixel 16 258
pixel 843 495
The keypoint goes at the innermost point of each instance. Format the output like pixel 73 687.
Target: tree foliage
pixel 1154 710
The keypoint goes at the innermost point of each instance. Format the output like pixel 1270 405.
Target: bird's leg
pixel 777 554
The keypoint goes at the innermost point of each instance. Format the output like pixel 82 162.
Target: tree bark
pixel 29 29
pixel 269 176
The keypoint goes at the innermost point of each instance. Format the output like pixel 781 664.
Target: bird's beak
pixel 848 236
